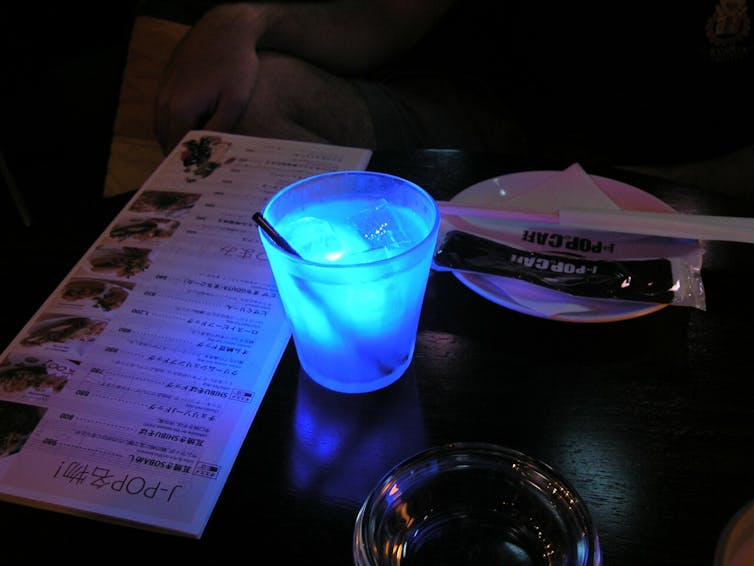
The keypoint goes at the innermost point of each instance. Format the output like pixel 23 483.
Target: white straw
pixel 449 208
pixel 669 224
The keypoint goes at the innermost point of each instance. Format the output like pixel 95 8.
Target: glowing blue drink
pixel 354 296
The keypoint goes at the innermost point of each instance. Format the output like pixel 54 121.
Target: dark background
pixel 61 65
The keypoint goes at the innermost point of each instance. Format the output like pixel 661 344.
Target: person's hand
pixel 210 77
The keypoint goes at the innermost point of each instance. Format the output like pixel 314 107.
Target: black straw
pixel 272 233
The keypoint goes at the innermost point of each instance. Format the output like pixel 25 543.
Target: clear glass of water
pixel 354 291
pixel 465 504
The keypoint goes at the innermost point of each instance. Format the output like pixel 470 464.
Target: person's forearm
pixel 345 36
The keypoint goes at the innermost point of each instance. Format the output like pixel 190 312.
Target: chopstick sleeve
pixel 647 280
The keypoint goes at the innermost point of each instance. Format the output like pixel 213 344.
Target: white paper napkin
pixel 571 188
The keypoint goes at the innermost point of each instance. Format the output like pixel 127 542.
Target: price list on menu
pixel 128 394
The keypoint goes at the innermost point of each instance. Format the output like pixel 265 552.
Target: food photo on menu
pixel 106 295
pixel 33 376
pixel 143 229
pixel 202 157
pixel 169 203
pixel 123 261
pixel 17 422
pixel 63 334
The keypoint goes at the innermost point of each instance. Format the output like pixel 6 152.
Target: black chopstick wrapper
pixel 649 280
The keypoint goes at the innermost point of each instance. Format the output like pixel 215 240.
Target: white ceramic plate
pixel 542 302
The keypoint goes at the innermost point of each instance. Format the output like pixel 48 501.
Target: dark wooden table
pixel 651 419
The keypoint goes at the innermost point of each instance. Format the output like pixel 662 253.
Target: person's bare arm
pixel 213 71
pixel 349 36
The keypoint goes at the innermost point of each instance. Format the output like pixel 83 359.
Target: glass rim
pixel 345 173
pixel 474 454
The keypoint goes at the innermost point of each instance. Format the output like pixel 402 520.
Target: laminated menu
pixel 128 394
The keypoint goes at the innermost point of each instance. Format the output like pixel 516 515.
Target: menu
pixel 128 394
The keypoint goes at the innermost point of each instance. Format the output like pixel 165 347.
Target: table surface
pixel 650 419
